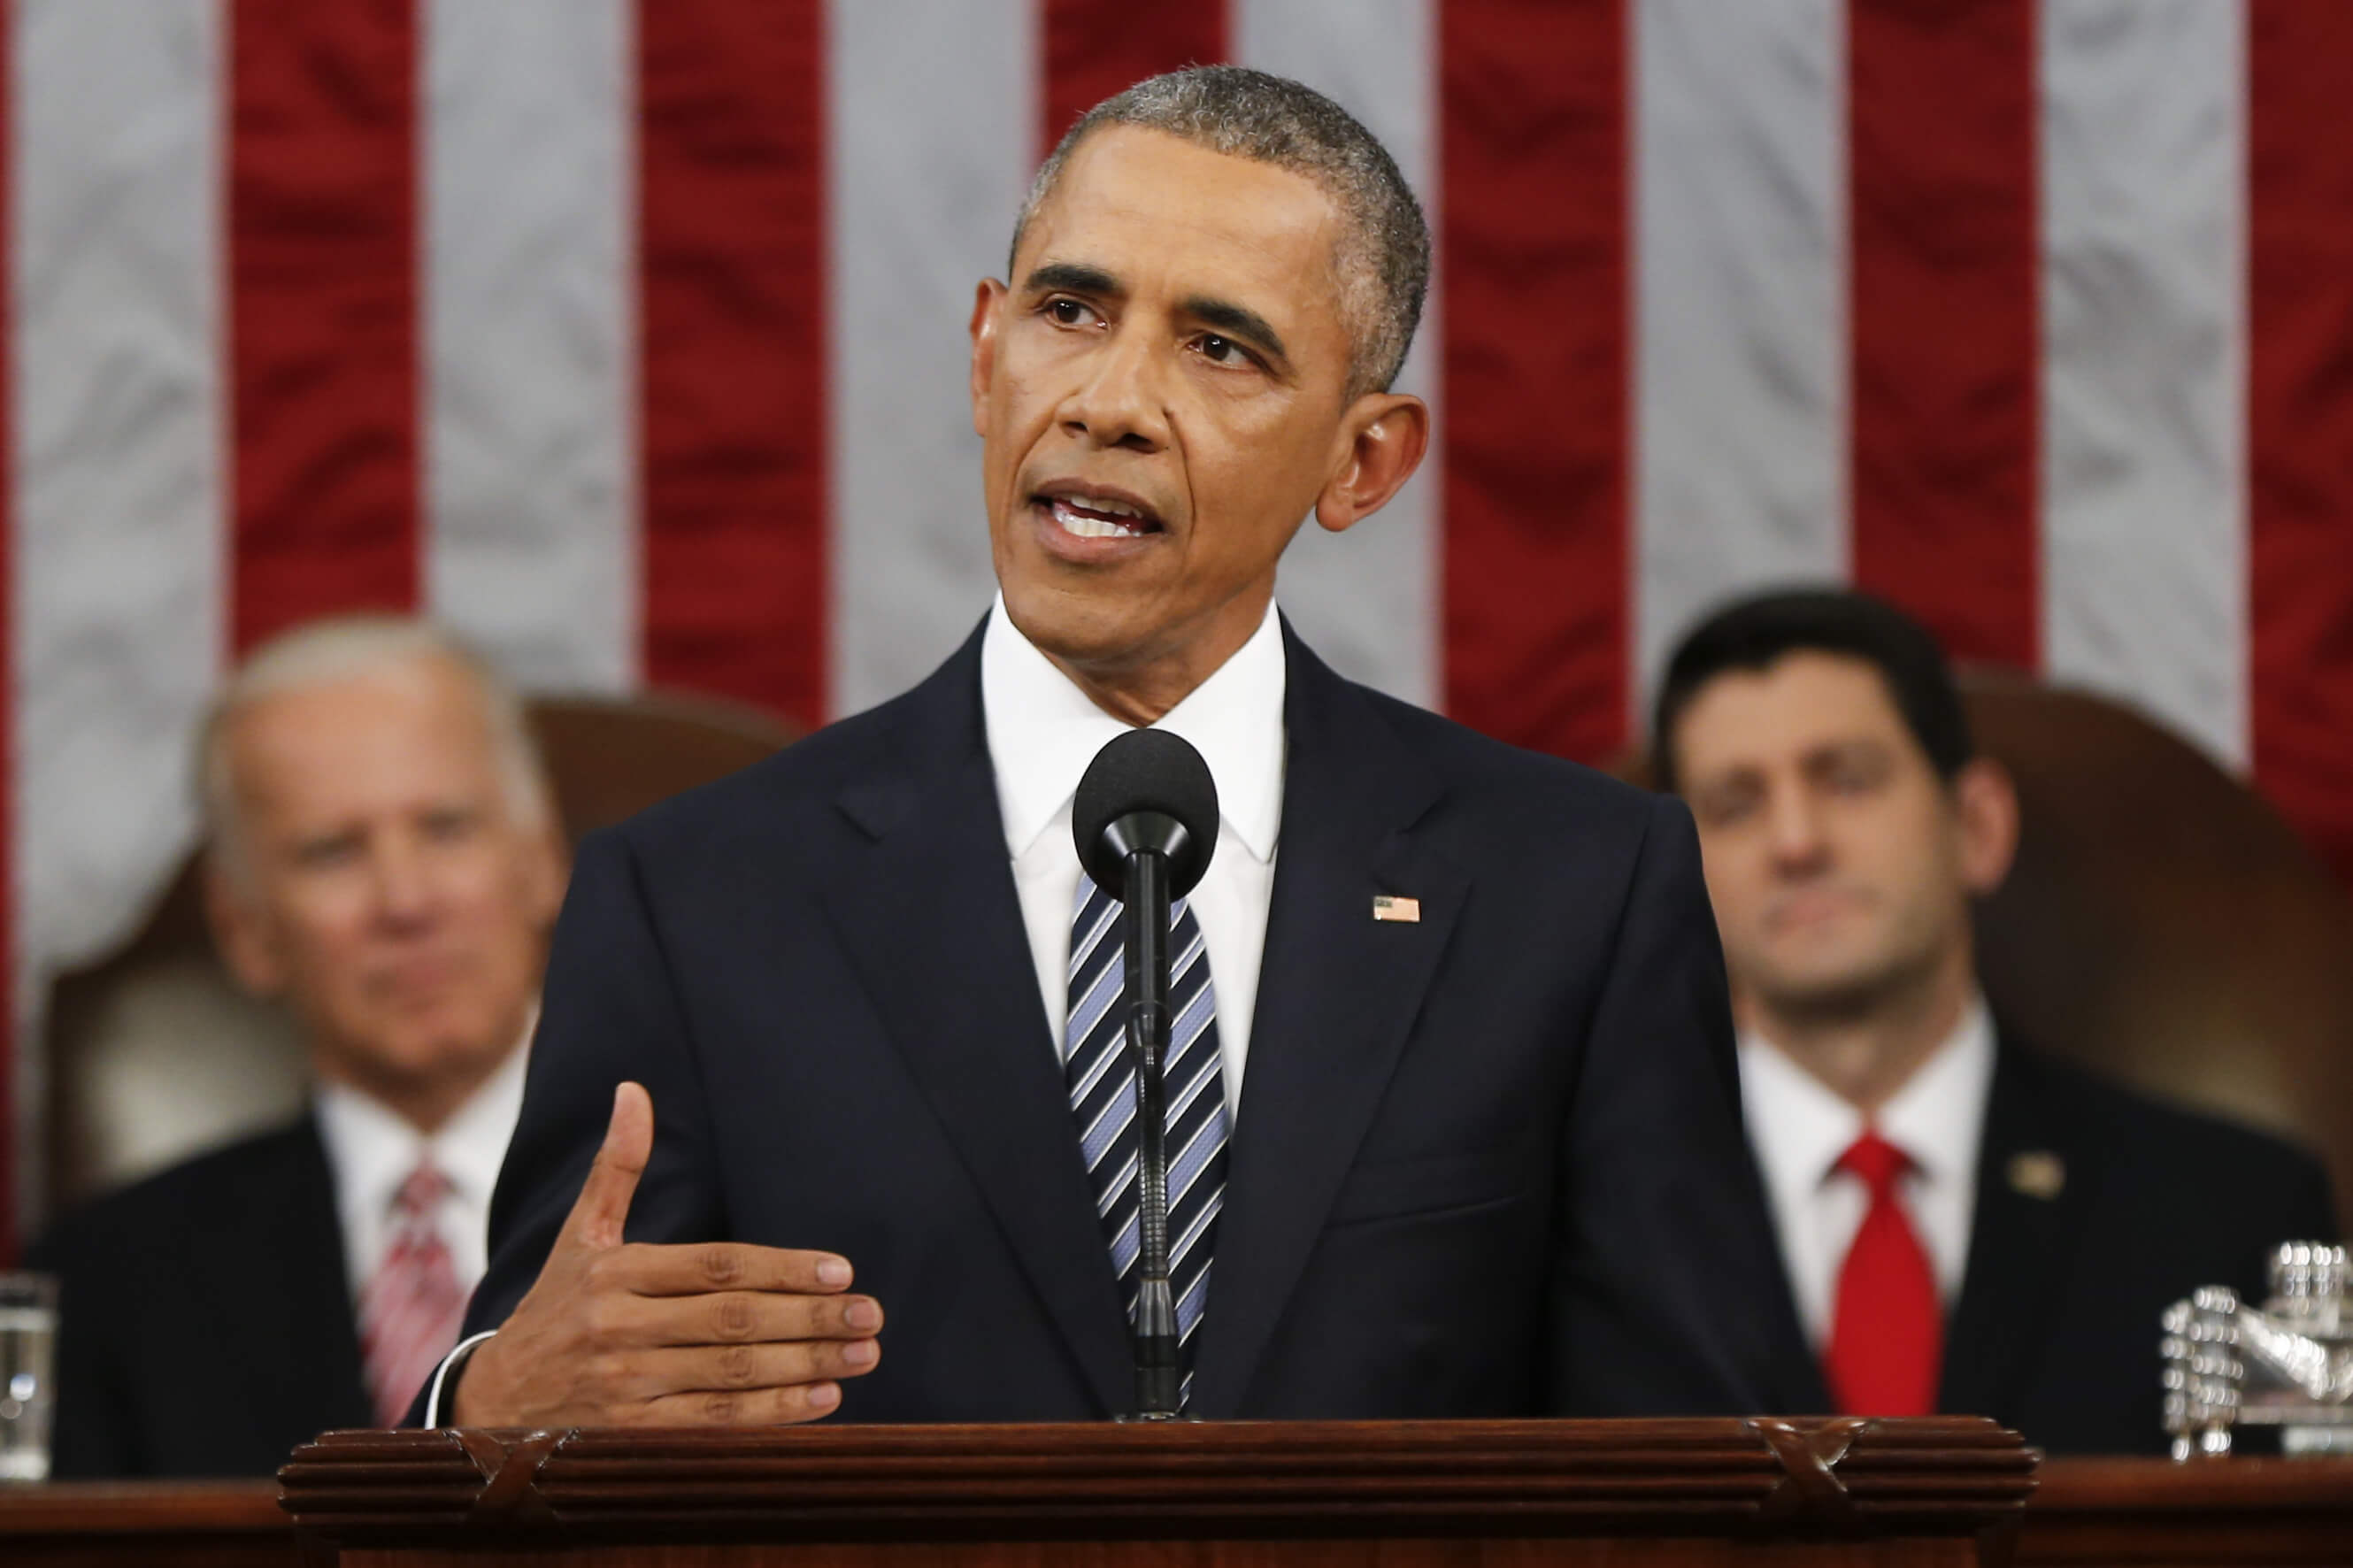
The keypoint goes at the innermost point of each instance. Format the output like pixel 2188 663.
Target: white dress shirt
pixel 370 1152
pixel 1799 1127
pixel 1043 731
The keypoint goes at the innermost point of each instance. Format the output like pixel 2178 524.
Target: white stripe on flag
pixel 118 403
pixel 933 111
pixel 1740 320
pixel 1368 600
pixel 2144 156
pixel 530 375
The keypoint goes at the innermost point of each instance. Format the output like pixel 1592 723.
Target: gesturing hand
pixel 713 1334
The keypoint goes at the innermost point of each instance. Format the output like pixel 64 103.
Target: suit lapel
pixel 295 1278
pixel 932 924
pixel 1800 1384
pixel 1338 995
pixel 2030 1206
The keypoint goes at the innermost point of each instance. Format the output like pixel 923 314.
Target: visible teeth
pixel 1097 504
pixel 1091 527
pixel 1083 526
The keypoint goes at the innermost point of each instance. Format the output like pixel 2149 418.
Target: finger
pixel 759 1407
pixel 698 1268
pixel 739 1316
pixel 647 1375
pixel 602 1209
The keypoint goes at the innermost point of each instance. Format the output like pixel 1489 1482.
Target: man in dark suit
pixel 383 860
pixel 233 1259
pixel 1968 1226
pixel 841 1011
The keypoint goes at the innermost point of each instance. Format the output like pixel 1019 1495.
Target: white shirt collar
pixel 1800 1126
pixel 1043 731
pixel 372 1148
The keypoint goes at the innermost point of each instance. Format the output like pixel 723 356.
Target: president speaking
pixel 822 1116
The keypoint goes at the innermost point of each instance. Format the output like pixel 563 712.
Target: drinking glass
pixel 28 1337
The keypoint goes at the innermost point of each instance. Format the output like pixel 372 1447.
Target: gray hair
pixel 341 648
pixel 1382 264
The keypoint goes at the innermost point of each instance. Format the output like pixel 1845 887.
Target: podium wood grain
pixel 1894 1494
pixel 2085 1513
pixel 145 1524
pixel 2151 1513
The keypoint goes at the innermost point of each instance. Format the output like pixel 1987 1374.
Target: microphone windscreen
pixel 1146 770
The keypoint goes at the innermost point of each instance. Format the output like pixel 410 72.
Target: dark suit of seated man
pixel 384 859
pixel 1968 1225
pixel 1457 1109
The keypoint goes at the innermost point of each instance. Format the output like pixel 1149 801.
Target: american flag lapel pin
pixel 1388 906
pixel 2038 1173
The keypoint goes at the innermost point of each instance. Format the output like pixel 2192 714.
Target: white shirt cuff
pixel 463 1349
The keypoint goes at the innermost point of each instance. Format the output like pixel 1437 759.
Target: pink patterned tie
pixel 412 1308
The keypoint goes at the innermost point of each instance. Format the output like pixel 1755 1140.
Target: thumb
pixel 602 1207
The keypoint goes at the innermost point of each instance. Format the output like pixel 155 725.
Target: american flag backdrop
pixel 628 337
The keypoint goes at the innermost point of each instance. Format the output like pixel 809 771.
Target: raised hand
pixel 711 1334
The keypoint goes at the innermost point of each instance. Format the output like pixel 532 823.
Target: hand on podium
pixel 619 1334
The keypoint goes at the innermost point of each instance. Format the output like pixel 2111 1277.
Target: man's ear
pixel 1387 435
pixel 550 870
pixel 1986 801
pixel 983 329
pixel 244 934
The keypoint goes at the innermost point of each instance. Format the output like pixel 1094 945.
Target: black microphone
pixel 1146 821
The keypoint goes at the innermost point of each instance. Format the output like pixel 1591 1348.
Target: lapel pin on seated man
pixel 1968 1224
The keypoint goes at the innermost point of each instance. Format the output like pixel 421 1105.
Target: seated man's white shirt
pixel 1799 1127
pixel 1043 731
pixel 371 1151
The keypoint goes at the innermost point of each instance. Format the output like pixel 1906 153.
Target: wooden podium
pixel 1941 1490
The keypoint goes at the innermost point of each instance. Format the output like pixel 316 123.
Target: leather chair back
pixel 2163 925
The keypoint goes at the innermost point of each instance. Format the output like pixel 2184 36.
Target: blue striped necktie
pixel 1102 1080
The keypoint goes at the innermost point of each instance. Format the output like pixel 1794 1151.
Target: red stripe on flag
pixel 733 200
pixel 1097 47
pixel 323 309
pixel 1534 150
pixel 2300 415
pixel 1945 325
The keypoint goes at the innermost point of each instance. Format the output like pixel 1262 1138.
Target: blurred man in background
pixel 383 860
pixel 1967 1225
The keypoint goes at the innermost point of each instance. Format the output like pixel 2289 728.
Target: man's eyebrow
pixel 1237 322
pixel 1070 278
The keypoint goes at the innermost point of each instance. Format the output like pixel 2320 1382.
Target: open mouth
pixel 1097 514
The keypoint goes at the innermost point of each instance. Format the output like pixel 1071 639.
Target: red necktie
pixel 412 1308
pixel 1888 1329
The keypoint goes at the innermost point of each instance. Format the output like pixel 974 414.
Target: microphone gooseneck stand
pixel 1144 821
pixel 1145 918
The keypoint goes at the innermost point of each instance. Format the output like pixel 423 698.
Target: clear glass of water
pixel 28 1337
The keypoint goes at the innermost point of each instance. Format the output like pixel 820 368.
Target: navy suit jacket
pixel 204 1325
pixel 1487 1163
pixel 2055 1331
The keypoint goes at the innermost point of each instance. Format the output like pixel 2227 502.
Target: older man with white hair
pixel 383 862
